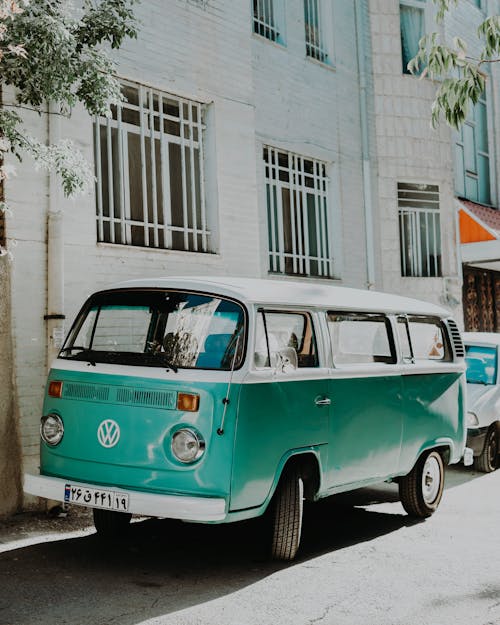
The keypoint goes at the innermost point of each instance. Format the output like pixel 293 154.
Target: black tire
pixel 110 523
pixel 487 461
pixel 287 510
pixel 421 490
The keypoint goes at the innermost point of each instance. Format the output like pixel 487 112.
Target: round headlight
pixel 187 445
pixel 52 429
pixel 472 419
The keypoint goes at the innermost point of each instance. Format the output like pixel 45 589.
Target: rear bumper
pixel 183 507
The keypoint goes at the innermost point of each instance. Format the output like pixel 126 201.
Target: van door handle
pixel 322 401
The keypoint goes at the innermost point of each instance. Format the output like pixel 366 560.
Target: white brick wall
pixel 409 150
pixel 257 92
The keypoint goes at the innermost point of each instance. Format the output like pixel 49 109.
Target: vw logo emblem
pixel 108 433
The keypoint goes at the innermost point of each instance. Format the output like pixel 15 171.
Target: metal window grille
pixel 264 22
pixel 315 47
pixel 149 169
pixel 419 230
pixel 297 211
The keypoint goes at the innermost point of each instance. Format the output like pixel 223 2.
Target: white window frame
pixel 300 255
pixel 422 208
pixel 321 51
pixel 197 236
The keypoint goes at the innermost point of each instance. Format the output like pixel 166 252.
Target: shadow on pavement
pixel 163 566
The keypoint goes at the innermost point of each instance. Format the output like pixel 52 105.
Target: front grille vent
pixel 96 392
pixel 120 395
pixel 456 338
pixel 158 399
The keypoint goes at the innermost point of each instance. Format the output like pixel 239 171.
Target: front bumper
pixel 476 438
pixel 183 507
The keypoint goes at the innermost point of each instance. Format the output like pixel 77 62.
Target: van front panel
pixel 146 415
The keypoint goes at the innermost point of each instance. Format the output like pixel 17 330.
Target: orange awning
pixel 472 230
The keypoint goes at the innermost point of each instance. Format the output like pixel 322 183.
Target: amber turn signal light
pixel 188 402
pixel 55 388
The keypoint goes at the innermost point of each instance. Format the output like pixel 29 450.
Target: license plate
pixel 96 498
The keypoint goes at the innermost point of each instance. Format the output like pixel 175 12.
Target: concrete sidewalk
pixel 28 528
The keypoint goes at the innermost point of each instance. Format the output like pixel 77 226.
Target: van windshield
pixel 158 328
pixel 481 364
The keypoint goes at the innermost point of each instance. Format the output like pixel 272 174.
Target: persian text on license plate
pixel 96 498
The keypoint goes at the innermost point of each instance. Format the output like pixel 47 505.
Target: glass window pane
pixel 469 148
pixel 290 338
pixel 481 364
pixel 484 179
pixel 360 339
pixel 155 328
pixel 427 339
pixel 412 30
pixel 481 127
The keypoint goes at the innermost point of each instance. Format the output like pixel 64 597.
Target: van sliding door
pixel 365 390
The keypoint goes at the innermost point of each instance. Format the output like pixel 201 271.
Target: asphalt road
pixel 362 561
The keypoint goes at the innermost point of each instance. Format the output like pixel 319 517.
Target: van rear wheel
pixel 287 510
pixel 110 523
pixel 421 490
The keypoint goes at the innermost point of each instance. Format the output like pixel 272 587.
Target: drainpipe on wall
pixel 360 10
pixel 55 252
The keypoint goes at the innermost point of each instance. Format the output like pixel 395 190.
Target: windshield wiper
pixel 83 354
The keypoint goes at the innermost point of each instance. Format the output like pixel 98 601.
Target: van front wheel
pixel 110 523
pixel 421 490
pixel 287 509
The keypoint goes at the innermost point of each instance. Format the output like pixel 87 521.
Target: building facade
pixel 428 178
pixel 264 138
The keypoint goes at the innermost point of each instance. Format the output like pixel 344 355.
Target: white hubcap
pixel 431 480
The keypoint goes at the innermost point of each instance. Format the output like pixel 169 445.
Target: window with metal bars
pixel 297 213
pixel 264 19
pixel 419 230
pixel 313 21
pixel 149 169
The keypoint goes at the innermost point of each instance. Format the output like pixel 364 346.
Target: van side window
pixel 359 338
pixel 404 339
pixel 428 339
pixel 287 338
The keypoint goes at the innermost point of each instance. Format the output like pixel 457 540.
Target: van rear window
pixel 159 328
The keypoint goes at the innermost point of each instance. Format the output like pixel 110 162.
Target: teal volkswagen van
pixel 220 399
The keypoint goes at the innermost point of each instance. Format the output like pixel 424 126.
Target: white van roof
pixel 269 292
